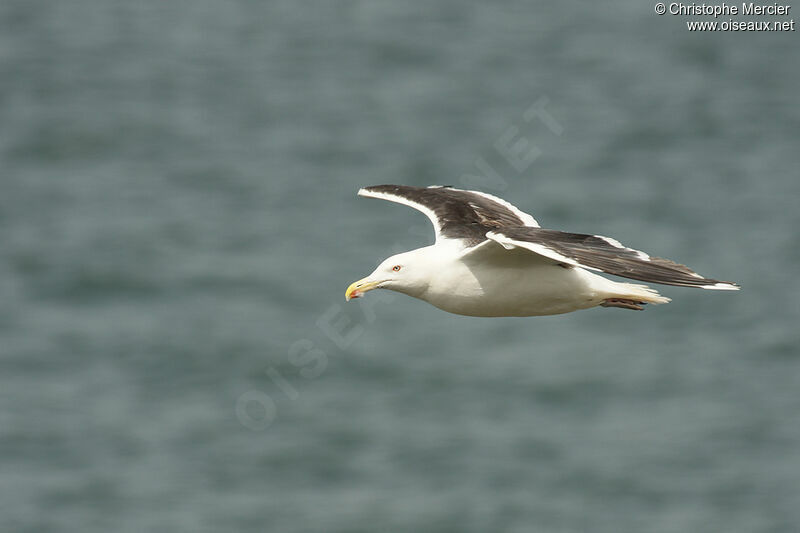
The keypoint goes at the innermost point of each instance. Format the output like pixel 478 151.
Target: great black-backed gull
pixel 491 259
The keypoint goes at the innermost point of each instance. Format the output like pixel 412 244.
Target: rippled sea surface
pixel 178 223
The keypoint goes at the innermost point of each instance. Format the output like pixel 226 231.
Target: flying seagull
pixel 490 259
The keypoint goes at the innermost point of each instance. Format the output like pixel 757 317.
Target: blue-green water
pixel 178 225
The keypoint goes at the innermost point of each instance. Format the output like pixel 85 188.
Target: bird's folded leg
pixel 623 303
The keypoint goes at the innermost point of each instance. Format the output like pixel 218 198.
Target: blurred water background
pixel 178 223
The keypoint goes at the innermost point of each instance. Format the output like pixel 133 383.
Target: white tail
pixel 640 293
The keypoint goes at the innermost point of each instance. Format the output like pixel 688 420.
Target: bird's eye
pixel 396 268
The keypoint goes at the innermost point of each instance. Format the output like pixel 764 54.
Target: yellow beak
pixel 358 288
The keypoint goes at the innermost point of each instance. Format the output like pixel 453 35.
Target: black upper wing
pixel 455 213
pixel 607 255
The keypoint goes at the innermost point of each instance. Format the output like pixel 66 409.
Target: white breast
pixel 521 284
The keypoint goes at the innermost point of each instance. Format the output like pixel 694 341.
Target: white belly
pixel 519 287
pixel 541 289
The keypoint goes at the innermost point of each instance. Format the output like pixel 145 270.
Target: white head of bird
pixel 409 273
